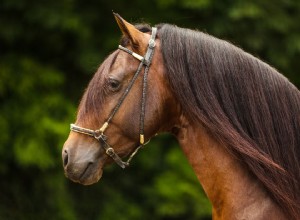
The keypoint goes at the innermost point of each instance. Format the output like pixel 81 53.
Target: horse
pixel 236 118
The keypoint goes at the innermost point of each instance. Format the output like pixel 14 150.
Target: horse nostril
pixel 65 158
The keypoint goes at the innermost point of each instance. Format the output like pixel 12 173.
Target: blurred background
pixel 49 51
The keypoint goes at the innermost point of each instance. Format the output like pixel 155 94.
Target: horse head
pixel 126 103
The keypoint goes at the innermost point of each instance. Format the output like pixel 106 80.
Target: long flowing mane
pixel 245 104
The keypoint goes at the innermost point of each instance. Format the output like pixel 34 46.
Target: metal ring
pixel 110 151
pixel 151 43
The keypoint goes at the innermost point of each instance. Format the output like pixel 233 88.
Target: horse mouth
pixel 86 173
pixel 91 174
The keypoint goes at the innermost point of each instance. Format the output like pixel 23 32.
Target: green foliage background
pixel 48 52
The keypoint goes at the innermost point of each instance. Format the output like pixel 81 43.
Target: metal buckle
pixel 110 151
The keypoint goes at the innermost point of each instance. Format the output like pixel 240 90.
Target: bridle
pixel 99 133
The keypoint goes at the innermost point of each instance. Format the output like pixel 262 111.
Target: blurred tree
pixel 48 52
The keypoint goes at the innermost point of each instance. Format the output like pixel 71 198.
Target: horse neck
pixel 232 190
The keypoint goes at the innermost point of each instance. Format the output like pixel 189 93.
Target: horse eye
pixel 114 84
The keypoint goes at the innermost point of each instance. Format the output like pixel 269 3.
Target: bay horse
pixel 235 117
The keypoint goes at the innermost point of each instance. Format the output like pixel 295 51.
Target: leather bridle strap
pixel 99 133
pixel 102 140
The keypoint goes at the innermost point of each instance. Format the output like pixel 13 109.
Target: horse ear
pixel 135 36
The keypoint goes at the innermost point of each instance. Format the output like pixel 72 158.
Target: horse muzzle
pixel 82 164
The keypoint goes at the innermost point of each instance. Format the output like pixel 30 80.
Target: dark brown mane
pixel 246 105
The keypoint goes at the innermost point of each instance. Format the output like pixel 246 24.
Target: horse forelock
pixel 92 101
pixel 244 102
pixel 93 98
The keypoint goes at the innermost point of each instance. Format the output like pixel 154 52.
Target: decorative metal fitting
pixel 110 151
pixel 152 43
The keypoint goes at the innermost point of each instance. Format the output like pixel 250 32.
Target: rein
pixel 99 133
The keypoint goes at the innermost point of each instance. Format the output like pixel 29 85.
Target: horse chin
pixel 91 179
pixel 91 174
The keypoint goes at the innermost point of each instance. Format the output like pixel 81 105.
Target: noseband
pixel 99 133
